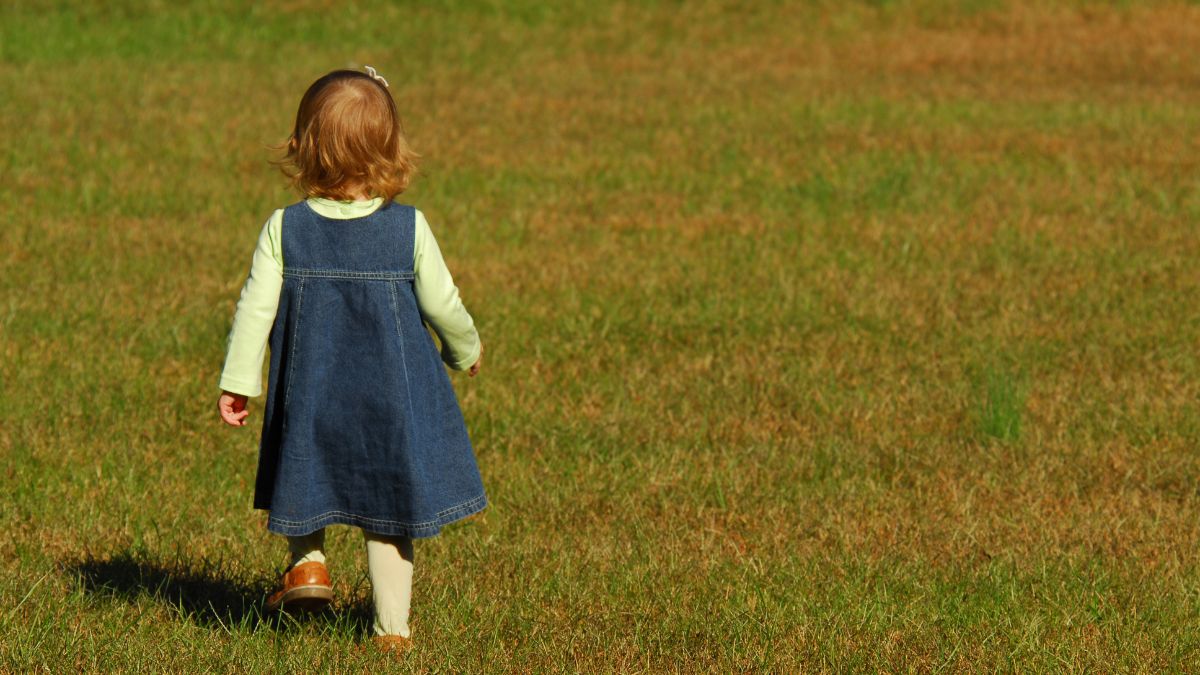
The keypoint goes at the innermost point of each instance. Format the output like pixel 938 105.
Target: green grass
pixel 1001 405
pixel 821 336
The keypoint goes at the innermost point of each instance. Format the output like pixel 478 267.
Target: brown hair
pixel 348 139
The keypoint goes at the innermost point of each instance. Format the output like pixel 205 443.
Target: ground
pixel 820 336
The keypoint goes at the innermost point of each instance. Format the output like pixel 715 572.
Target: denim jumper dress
pixel 361 425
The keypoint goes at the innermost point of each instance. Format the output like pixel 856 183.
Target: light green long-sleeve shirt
pixel 437 299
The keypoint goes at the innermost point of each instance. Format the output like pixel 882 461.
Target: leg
pixel 307 548
pixel 390 562
pixel 305 585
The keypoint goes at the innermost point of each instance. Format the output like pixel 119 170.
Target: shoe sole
pixel 303 599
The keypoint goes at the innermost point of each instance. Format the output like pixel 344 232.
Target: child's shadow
pixel 202 591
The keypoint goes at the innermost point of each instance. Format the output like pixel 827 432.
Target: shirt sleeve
pixel 255 315
pixel 439 302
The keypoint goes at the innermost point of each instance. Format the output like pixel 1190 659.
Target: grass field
pixel 821 336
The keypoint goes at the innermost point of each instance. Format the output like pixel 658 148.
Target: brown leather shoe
pixel 304 587
pixel 392 644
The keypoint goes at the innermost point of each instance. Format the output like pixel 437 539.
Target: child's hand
pixel 474 370
pixel 233 409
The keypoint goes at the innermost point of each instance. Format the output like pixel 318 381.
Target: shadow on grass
pixel 203 591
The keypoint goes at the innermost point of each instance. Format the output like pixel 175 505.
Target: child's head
pixel 348 140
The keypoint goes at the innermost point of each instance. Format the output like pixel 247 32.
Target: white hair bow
pixel 376 76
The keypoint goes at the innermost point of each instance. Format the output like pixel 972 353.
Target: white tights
pixel 390 564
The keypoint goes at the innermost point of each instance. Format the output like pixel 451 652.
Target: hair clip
pixel 376 76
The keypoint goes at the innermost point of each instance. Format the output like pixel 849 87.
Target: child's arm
pixel 247 345
pixel 440 304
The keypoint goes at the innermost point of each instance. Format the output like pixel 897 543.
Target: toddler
pixel 361 426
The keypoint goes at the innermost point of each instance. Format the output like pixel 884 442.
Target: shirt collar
pixel 344 210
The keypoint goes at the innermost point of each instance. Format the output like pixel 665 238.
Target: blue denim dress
pixel 361 424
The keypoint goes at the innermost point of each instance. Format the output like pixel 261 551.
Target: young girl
pixel 361 425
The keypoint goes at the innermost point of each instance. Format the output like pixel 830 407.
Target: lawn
pixel 821 336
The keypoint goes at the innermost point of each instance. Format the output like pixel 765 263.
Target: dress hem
pixel 393 528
